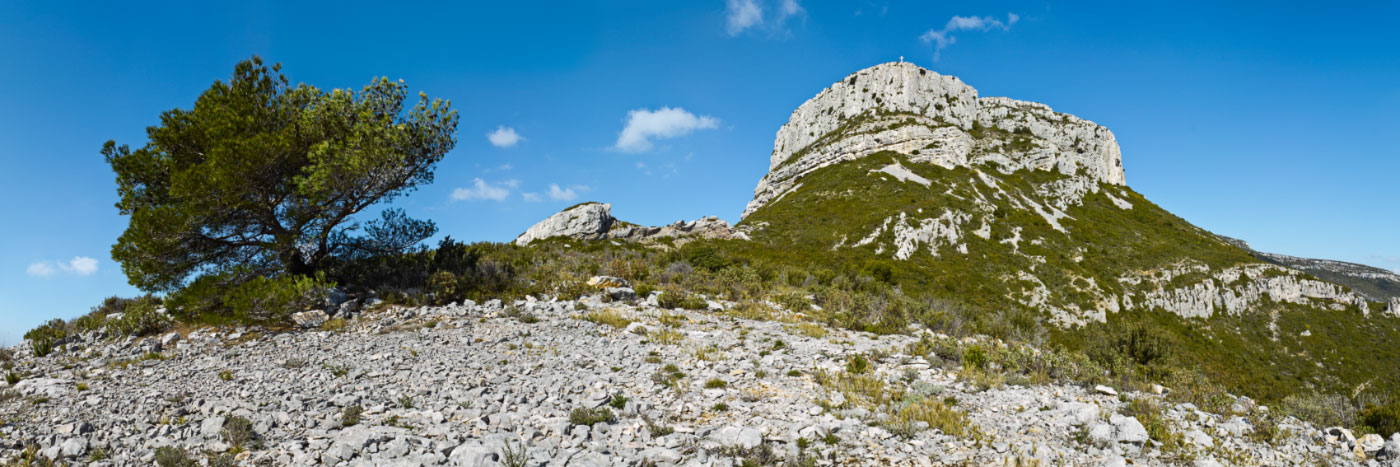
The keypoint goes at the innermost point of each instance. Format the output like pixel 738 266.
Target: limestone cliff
pixel 936 119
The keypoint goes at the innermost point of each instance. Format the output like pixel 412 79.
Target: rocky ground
pixel 584 383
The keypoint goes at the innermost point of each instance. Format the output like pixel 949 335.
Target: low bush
pixel 141 317
pixel 174 456
pixel 351 416
pixel 1321 409
pixel 274 300
pixel 1382 419
pixel 590 417
pixel 238 431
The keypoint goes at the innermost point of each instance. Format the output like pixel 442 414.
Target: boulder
pixel 621 293
pixel 1100 434
pixel 1105 390
pixel 45 387
pixel 588 221
pixel 1371 443
pixel 1129 430
pixel 310 319
pixel 742 437
pixel 607 282
pixel 73 447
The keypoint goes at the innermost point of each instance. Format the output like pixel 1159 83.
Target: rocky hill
pixel 999 207
pixel 937 119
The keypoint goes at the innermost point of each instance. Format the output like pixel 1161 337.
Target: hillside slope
pixel 994 204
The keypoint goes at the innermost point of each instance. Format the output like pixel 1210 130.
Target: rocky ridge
pixel 594 221
pixel 482 384
pixel 1371 282
pixel 937 119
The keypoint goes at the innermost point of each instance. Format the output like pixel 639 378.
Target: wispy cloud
pixel 481 190
pixel 565 194
pixel 504 137
pixel 940 39
pixel 531 197
pixel 79 265
pixel 645 125
pixel 743 15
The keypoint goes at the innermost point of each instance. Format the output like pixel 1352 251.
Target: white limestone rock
pixel 588 221
pixel 905 108
pixel 594 221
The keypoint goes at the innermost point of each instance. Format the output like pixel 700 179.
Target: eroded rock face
pixel 937 119
pixel 588 221
pixel 594 221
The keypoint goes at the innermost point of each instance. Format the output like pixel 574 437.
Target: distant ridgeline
pixel 996 205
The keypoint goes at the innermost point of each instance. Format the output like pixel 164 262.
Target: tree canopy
pixel 267 178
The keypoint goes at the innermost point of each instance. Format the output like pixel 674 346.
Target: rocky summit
pixel 590 382
pixel 937 119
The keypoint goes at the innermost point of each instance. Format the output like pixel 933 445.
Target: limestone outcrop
pixel 937 119
pixel 587 221
pixel 594 221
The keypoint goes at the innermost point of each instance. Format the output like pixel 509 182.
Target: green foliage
pixel 1152 416
pixel 43 338
pixel 1382 419
pixel 857 364
pixel 590 417
pixel 618 402
pixel 351 416
pixel 174 456
pixel 140 318
pixel 716 383
pixel 259 299
pixel 12 378
pixel 974 357
pixel 266 177
pixel 238 431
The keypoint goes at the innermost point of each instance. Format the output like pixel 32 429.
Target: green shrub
pixel 445 286
pixel 1382 419
pixel 590 417
pixel 1321 409
pixel 238 431
pixel 857 364
pixel 674 297
pixel 140 318
pixel 351 416
pixel 173 456
pixel 975 357
pixel 42 339
pixel 618 402
pixel 716 383
pixel 274 300
pixel 13 378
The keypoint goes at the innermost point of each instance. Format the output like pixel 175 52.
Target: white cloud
pixel 565 194
pixel 41 269
pixel 504 137
pixel 481 190
pixel 790 8
pixel 742 15
pixel 940 39
pixel 644 125
pixel 83 266
pixel 531 197
pixel 79 265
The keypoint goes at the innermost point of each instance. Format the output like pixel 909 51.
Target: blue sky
pixel 1271 121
